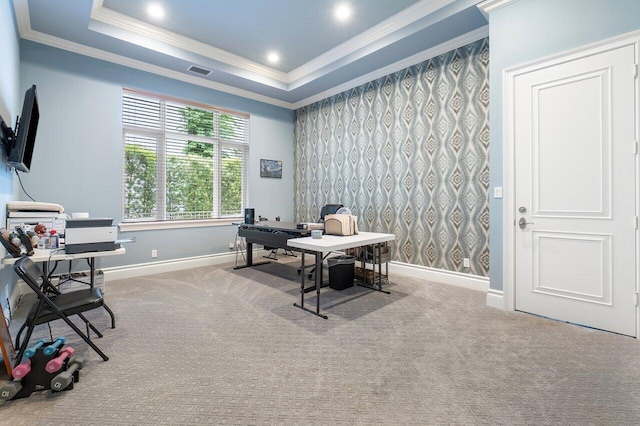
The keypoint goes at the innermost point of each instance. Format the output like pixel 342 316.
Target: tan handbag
pixel 340 224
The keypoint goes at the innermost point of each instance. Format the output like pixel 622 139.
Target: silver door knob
pixel 522 223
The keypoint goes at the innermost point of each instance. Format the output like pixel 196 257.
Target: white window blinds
pixel 182 160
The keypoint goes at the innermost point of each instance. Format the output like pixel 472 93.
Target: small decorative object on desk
pixel 53 239
pixel 316 234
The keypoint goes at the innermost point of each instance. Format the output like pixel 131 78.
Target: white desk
pixel 326 244
pixel 50 255
pixel 47 255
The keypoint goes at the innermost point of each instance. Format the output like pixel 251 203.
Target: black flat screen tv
pixel 20 154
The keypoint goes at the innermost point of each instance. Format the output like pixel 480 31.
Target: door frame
pixel 508 207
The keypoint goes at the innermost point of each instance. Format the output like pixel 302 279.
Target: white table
pixel 326 244
pixel 55 255
pixel 47 255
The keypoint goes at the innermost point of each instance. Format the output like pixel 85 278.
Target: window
pixel 182 160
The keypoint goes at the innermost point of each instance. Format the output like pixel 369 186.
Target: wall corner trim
pixel 495 299
pixel 488 6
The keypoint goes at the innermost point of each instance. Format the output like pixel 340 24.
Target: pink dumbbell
pixel 56 363
pixel 22 369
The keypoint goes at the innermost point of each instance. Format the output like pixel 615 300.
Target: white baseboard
pixel 140 269
pixel 459 279
pixel 495 298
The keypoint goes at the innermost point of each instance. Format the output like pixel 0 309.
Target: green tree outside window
pixel 190 172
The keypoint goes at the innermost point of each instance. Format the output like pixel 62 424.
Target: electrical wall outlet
pixel 465 262
pixel 232 246
pixel 154 253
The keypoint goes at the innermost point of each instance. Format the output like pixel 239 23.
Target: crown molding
pixel 112 18
pixel 21 9
pixel 23 19
pixel 367 38
pixel 432 52
pixel 400 20
pixel 92 52
pixel 488 6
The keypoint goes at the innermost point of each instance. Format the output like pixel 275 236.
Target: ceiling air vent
pixel 199 70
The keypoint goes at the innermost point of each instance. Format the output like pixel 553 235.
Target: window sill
pixel 175 224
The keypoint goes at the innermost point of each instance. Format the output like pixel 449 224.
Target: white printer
pixel 90 234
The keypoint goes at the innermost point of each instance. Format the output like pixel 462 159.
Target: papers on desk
pixel 34 206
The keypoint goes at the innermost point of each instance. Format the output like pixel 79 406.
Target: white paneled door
pixel 575 190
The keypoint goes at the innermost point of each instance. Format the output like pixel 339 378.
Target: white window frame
pixel 161 136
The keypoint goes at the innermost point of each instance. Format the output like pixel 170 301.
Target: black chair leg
pixel 113 318
pixel 31 325
pixel 19 333
pixel 44 299
pixel 31 274
pixel 89 325
pixel 25 343
pixel 82 335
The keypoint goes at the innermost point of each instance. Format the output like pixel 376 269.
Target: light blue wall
pixel 77 156
pixel 9 109
pixel 9 91
pixel 532 29
pixel 78 151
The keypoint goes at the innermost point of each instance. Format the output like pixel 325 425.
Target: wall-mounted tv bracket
pixel 7 136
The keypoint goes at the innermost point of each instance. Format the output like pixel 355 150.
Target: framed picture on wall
pixel 271 168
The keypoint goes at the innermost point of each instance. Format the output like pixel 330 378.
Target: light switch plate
pixel 497 192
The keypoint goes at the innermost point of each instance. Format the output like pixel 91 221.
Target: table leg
pixel 250 258
pixel 318 280
pixel 92 273
pixel 377 249
pixel 249 254
pixel 92 268
pixel 318 273
pixel 302 275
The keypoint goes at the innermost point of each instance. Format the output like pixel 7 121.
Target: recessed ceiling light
pixel 343 12
pixel 155 11
pixel 273 57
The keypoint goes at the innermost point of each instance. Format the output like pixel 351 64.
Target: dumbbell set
pixel 46 365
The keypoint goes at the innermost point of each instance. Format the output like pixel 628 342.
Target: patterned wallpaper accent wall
pixel 408 154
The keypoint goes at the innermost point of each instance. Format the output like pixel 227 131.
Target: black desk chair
pixel 326 209
pixel 52 305
pixel 329 209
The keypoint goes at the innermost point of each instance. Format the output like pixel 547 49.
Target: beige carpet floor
pixel 215 345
